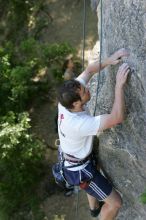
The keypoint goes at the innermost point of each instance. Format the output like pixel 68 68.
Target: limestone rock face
pixel 122 149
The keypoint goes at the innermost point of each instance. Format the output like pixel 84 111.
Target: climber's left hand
pixel 117 56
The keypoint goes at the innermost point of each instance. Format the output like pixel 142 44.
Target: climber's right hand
pixel 122 75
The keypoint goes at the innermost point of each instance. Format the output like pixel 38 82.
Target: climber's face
pixel 84 94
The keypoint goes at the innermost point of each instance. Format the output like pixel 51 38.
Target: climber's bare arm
pixel 117 114
pixel 96 66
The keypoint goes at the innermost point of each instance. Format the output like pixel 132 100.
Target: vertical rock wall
pixel 122 149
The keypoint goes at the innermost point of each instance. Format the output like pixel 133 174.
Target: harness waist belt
pixel 73 159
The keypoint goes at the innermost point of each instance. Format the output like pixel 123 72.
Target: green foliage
pixel 21 166
pixel 57 52
pixel 22 59
pixel 30 51
pixel 15 82
pixel 57 73
pixel 21 154
pixel 143 198
pixel 19 66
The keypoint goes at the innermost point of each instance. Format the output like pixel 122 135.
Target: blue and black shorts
pixel 98 186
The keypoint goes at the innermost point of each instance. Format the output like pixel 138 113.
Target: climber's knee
pixel 114 200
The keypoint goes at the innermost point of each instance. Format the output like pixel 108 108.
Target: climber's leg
pixel 98 189
pixel 111 206
pixel 95 206
pixel 92 202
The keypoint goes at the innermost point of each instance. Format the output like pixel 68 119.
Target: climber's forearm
pixel 96 66
pixel 92 69
pixel 117 114
pixel 118 110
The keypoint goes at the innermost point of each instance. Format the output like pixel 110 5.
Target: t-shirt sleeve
pixel 89 125
pixel 81 80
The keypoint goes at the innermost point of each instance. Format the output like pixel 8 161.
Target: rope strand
pixel 83 59
pixel 84 33
pixel 98 76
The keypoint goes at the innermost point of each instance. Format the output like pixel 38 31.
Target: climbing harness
pixel 57 142
pixel 58 172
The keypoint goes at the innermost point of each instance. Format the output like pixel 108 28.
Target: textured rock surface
pixel 122 150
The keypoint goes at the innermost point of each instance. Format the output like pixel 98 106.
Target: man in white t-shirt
pixel 76 129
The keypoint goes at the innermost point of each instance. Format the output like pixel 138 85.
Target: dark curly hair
pixel 68 93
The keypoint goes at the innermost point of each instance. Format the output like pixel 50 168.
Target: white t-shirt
pixel 76 131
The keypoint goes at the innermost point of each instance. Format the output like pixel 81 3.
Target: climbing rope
pixel 100 56
pixel 84 33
